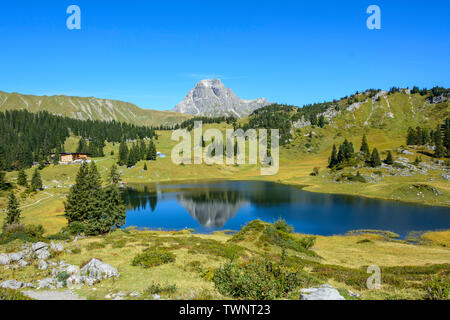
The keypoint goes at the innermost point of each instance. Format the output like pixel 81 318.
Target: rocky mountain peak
pixel 210 97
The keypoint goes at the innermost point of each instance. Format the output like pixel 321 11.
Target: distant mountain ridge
pixel 89 108
pixel 212 99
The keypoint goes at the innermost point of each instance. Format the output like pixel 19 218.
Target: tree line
pixel 346 155
pixel 139 151
pixel 27 137
pixel 439 138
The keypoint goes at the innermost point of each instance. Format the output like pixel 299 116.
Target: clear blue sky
pixel 152 53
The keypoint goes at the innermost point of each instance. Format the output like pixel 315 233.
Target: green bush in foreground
pixel 7 294
pixel 257 280
pixel 438 289
pixel 153 257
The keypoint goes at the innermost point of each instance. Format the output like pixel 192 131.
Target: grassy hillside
pixel 90 108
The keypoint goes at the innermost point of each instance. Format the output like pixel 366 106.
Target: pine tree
pixel 151 151
pixel 13 214
pixel 76 205
pixel 36 181
pixel 110 211
pixel 22 179
pixel 411 138
pixel 375 160
pixel 439 152
pixel 3 184
pixel 145 166
pixel 365 148
pixel 82 146
pixel 389 160
pixel 333 158
pixel 114 176
pixel 123 153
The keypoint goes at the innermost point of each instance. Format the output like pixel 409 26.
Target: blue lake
pixel 230 205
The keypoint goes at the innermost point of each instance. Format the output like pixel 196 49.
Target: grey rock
pixel 56 247
pixel 212 98
pixel 42 254
pixel 39 246
pixel 353 294
pixel 323 292
pixel 22 263
pixel 16 256
pixel 11 284
pixel 135 294
pixel 42 265
pixel 47 283
pixel 4 259
pixel 156 297
pixel 445 176
pixel 98 270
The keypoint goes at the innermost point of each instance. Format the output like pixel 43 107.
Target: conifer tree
pixel 13 214
pixel 375 160
pixel 3 184
pixel 365 147
pixel 333 158
pixel 82 146
pixel 36 181
pixel 77 203
pixel 22 179
pixel 114 175
pixel 439 152
pixel 123 153
pixel 389 160
pixel 145 166
pixel 111 211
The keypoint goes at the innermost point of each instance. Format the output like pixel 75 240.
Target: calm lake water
pixel 212 206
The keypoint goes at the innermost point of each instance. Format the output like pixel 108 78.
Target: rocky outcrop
pixel 211 98
pixel 96 269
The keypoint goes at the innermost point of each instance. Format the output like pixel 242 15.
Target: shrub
pixel 62 277
pixel 438 288
pixel 96 245
pixel 256 280
pixel 21 232
pixel 153 257
pixel 7 294
pixel 156 288
pixel 285 240
pixel 282 225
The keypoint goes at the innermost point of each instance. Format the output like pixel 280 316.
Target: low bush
pixel 156 288
pixel 438 288
pixel 153 257
pixel 256 280
pixel 95 245
pixel 29 233
pixel 7 294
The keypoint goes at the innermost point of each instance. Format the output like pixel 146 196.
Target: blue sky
pixel 152 53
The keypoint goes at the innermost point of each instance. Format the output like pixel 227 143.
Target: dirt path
pixel 52 295
pixel 34 203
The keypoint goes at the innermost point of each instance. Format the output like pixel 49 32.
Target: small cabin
pixel 67 158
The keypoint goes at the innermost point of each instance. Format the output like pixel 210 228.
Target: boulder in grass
pixel 56 247
pixel 99 270
pixel 4 260
pixel 47 283
pixel 11 284
pixel 39 246
pixel 42 265
pixel 16 256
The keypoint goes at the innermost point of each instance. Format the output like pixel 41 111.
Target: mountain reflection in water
pixel 212 206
